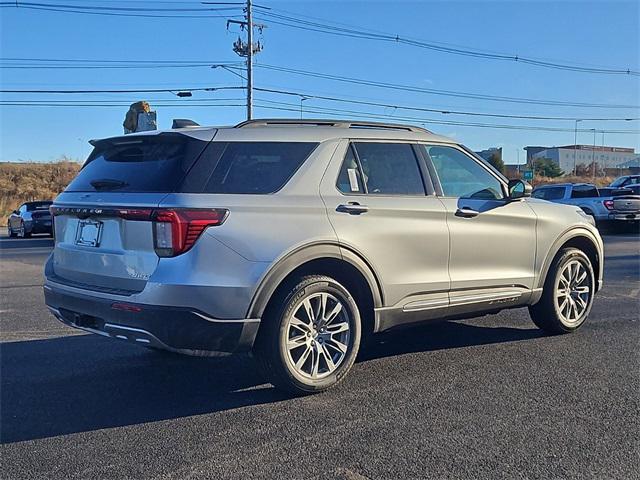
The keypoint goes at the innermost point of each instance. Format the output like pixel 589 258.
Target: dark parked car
pixel 31 217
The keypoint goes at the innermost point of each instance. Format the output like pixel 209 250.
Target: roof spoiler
pixel 183 123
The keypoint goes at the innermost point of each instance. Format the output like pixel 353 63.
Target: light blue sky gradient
pixel 591 33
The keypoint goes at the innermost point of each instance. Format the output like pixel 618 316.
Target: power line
pixel 143 90
pixel 297 22
pixel 352 113
pixel 432 110
pixel 89 63
pixel 290 107
pixel 108 8
pixel 449 93
pixel 120 11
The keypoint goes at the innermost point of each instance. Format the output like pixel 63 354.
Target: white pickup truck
pixel 605 204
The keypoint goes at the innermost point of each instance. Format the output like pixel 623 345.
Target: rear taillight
pixel 176 230
pixel 608 204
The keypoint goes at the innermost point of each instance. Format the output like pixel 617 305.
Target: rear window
pixel 254 167
pixel 31 207
pixel 155 163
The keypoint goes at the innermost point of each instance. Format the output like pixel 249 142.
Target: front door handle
pixel 466 212
pixel 352 208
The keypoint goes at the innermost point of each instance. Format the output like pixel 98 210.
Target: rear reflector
pixel 176 230
pixel 126 307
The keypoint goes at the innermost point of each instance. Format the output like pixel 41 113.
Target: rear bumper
pixel 631 216
pixel 176 329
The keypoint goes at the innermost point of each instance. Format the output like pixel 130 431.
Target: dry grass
pixel 24 182
pixel 597 181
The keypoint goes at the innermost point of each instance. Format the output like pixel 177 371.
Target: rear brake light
pixel 176 230
pixel 608 204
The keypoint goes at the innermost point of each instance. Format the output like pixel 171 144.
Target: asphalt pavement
pixel 490 397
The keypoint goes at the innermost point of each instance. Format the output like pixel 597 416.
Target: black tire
pixel 548 313
pixel 12 234
pixel 277 361
pixel 22 233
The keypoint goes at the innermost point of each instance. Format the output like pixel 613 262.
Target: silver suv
pixel 297 239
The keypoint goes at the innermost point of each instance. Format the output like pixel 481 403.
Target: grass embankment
pixel 24 182
pixel 597 181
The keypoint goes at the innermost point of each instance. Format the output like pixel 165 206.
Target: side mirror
pixel 519 189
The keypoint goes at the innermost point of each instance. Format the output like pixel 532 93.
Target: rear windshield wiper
pixel 107 184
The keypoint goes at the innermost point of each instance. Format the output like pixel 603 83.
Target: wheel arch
pixel 582 239
pixel 344 265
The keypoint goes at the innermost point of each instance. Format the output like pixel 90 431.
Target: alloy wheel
pixel 573 292
pixel 317 335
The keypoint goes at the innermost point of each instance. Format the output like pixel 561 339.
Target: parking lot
pixel 488 397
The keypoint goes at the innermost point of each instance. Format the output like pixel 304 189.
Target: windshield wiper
pixel 107 184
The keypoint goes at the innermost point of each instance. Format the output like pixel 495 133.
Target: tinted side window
pixel 462 176
pixel 390 168
pixel 554 193
pixel 256 167
pixel 539 193
pixel 584 192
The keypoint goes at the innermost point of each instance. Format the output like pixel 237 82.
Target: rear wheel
pixel 310 336
pixel 22 232
pixel 567 295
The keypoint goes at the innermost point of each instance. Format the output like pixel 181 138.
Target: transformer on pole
pixel 248 49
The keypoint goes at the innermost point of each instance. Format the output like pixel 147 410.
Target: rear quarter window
pixel 253 167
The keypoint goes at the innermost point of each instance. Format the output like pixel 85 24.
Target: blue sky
pixel 605 33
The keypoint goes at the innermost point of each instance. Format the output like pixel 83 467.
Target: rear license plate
pixel 88 233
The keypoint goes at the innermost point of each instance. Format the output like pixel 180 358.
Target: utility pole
pixel 249 61
pixel 248 49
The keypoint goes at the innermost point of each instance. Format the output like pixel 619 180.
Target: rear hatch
pixel 40 212
pixel 104 229
pixel 626 203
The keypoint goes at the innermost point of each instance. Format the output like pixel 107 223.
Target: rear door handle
pixel 352 208
pixel 467 212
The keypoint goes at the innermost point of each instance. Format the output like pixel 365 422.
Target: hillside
pixel 23 182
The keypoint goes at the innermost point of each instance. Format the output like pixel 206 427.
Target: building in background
pixel 569 156
pixel 489 152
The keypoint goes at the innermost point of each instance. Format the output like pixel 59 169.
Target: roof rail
pixel 329 123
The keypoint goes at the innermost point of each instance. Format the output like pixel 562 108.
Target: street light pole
pixel 575 147
pixel 593 156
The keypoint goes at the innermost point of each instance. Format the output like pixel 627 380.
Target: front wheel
pixel 567 295
pixel 310 336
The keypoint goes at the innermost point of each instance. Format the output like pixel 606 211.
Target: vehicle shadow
pixel 83 383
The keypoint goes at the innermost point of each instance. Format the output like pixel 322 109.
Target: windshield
pixel 618 182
